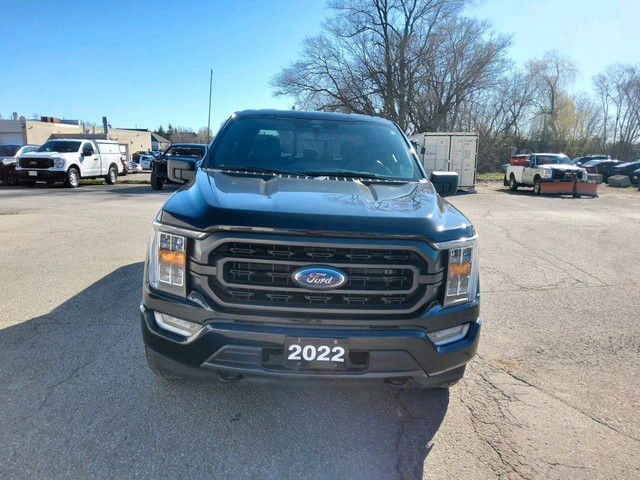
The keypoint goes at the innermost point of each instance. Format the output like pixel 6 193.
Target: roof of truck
pixel 345 117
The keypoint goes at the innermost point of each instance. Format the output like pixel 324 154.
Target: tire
pixel 112 176
pixel 156 183
pixel 159 372
pixel 28 183
pixel 536 186
pixel 73 178
pixel 513 185
pixel 10 176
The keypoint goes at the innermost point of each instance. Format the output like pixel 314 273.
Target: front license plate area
pixel 304 353
pixel 33 173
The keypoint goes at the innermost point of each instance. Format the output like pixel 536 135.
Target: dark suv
pixel 8 156
pixel 310 246
pixel 192 151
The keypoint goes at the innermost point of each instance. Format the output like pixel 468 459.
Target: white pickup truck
pixel 550 173
pixel 69 160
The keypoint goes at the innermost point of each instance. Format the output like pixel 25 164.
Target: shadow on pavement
pixel 123 189
pixel 79 401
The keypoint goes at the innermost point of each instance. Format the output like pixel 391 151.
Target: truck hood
pixel 314 205
pixel 48 154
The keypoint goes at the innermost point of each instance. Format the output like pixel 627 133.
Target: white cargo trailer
pixel 449 152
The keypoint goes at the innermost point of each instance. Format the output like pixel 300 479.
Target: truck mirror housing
pixel 446 183
pixel 181 170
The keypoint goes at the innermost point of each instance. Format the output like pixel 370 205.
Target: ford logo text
pixel 319 278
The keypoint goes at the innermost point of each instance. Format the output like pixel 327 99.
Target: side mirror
pixel 86 154
pixel 181 170
pixel 446 183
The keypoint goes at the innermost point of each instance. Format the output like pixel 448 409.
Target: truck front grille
pixel 36 162
pixel 564 175
pixel 258 276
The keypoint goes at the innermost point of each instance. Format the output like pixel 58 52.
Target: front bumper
pixel 235 348
pixel 42 175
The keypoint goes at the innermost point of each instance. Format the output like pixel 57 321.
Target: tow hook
pixel 397 382
pixel 229 377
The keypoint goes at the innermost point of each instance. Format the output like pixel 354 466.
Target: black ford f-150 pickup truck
pixel 310 246
pixel 193 151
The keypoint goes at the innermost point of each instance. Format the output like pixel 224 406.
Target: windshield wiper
pixel 255 170
pixel 346 173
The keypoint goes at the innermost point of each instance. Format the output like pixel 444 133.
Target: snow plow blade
pixel 570 188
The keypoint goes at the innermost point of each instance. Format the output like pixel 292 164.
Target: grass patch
pixel 97 181
pixel 135 182
pixel 490 176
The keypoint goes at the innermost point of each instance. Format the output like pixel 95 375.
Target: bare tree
pixel 467 61
pixel 501 116
pixel 551 74
pixel 182 135
pixel 412 61
pixel 618 89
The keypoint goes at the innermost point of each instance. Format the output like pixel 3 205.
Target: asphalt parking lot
pixel 554 391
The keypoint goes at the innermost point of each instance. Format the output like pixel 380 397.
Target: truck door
pixel 529 170
pixel 90 160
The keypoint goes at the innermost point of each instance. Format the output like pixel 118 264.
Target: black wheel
pixel 112 176
pixel 536 186
pixel 28 183
pixel 10 176
pixel 156 183
pixel 513 185
pixel 159 372
pixel 73 178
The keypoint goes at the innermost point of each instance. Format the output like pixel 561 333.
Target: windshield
pixel 591 163
pixel 315 147
pixel 59 146
pixel 553 160
pixel 8 150
pixel 185 151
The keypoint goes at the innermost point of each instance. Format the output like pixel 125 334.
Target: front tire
pixel 536 186
pixel 156 183
pixel 73 178
pixel 112 176
pixel 513 185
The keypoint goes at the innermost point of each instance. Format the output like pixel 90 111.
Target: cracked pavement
pixel 553 392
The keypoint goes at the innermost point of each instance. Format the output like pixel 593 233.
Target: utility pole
pixel 209 117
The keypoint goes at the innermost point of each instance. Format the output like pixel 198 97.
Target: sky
pixel 144 64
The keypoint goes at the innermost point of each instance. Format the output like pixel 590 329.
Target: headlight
pixel 462 270
pixel 167 261
pixel 58 162
pixel 168 257
pixel 547 173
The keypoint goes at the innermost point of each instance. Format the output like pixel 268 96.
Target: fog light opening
pixel 176 325
pixel 449 335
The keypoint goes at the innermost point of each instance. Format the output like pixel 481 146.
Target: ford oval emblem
pixel 319 278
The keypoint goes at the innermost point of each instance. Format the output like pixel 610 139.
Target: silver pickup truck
pixel 550 173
